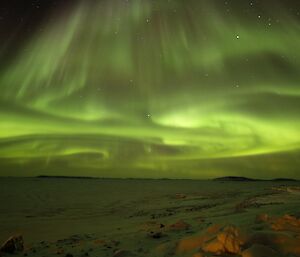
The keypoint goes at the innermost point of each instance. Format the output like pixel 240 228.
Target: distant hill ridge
pixel 246 179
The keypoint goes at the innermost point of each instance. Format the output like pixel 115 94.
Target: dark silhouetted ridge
pixel 233 178
pixel 245 179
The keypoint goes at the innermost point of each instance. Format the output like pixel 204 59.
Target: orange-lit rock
pixel 213 229
pixel 190 243
pixel 229 240
pixel 286 223
pixel 214 246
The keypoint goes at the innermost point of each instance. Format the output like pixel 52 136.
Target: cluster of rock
pixel 283 239
pixel 288 189
pixel 158 230
pixel 279 237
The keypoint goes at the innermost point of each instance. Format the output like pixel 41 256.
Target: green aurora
pixel 137 88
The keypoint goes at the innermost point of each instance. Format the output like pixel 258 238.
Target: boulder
pixel 179 225
pixel 214 246
pixel 188 244
pixel 228 241
pixel 13 244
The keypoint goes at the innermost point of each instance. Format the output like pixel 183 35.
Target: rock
pixel 123 253
pixel 179 225
pixel 229 241
pixel 286 223
pixel 214 246
pixel 293 189
pixel 152 226
pixel 213 229
pixel 263 217
pixel 180 196
pixel 216 240
pixel 156 235
pixel 13 244
pixel 190 243
pixel 258 250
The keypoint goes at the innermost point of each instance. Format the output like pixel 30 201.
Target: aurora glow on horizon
pixel 169 88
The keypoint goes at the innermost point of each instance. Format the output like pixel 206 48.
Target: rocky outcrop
pixel 217 240
pixel 228 241
pixel 286 223
pixel 281 239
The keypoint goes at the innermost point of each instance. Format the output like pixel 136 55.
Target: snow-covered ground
pixel 111 217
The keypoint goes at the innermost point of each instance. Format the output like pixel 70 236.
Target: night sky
pixel 150 88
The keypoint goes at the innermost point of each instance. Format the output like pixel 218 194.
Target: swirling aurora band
pixel 178 89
